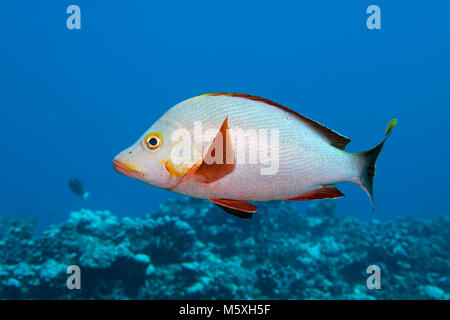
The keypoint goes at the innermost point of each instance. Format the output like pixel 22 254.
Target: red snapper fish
pixel 232 148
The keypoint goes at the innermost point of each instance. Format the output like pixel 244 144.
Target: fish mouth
pixel 127 170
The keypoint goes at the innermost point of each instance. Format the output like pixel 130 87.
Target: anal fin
pixel 323 192
pixel 237 208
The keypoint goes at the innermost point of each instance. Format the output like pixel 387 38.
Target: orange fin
pixel 238 208
pixel 219 160
pixel 323 192
pixel 334 138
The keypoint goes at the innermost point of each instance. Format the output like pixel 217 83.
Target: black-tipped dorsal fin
pixel 323 192
pixel 334 138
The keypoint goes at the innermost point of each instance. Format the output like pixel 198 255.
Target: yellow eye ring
pixel 153 140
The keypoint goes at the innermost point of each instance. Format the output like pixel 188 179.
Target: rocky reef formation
pixel 190 249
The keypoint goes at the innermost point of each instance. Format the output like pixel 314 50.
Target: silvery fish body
pixel 237 148
pixel 305 159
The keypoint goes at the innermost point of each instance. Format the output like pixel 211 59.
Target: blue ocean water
pixel 72 99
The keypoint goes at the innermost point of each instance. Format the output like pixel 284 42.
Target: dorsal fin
pixel 322 192
pixel 222 148
pixel 334 138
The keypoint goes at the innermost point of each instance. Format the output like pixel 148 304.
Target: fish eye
pixel 153 140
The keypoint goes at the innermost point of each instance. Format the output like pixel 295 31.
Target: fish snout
pixel 126 169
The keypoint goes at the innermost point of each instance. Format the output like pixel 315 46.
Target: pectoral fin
pixel 323 192
pixel 219 160
pixel 237 208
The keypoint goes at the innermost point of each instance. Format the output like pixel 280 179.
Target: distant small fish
pixel 303 160
pixel 77 187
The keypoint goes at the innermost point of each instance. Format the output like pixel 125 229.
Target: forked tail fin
pixel 368 160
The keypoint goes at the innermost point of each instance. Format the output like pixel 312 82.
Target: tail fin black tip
pixel 369 158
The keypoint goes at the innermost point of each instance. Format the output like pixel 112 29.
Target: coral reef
pixel 190 249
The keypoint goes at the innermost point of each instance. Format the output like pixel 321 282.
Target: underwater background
pixel 72 99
